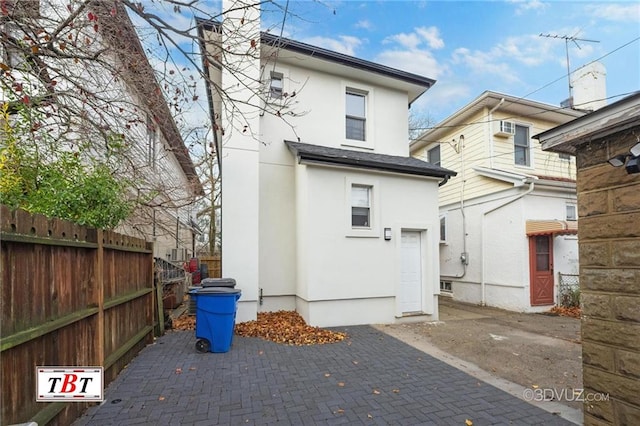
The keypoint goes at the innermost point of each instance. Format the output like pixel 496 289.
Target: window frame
pixel 362 119
pixel 526 149
pixel 373 229
pixel 369 95
pixel 366 207
pixel 152 142
pixel 443 224
pixel 575 211
pixel 276 92
pixel 429 155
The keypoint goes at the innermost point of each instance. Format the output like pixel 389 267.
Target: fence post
pixel 99 271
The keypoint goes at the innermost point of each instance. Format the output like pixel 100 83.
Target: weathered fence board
pixel 70 296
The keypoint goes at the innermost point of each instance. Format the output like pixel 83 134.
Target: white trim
pixel 372 231
pixel 369 128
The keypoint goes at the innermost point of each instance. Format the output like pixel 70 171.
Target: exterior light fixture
pixel 631 161
pixel 387 234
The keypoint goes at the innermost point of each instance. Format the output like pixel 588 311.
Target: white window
pixel 443 229
pixel 356 119
pixel 522 146
pixel 433 155
pixel 572 213
pixel 360 206
pixel 276 86
pixel 152 140
pixel 446 286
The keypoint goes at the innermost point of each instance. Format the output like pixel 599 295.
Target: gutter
pixel 482 233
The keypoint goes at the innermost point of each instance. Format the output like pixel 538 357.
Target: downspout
pixel 464 257
pixel 483 251
pixel 489 123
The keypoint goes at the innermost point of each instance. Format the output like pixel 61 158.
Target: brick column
pixel 609 235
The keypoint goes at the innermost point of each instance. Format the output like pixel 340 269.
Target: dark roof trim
pixel 308 153
pixel 331 56
pixel 342 59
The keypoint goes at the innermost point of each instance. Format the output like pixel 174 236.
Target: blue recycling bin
pixel 215 317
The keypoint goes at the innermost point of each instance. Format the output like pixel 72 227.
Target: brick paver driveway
pixel 370 378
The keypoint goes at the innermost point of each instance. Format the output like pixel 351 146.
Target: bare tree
pixel 101 77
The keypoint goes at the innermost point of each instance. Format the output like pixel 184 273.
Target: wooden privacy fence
pixel 213 265
pixel 70 296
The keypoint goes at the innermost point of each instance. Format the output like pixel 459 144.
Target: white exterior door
pixel 410 272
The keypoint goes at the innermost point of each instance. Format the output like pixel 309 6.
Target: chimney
pixel 589 87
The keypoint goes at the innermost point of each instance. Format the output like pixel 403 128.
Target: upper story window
pixel 443 229
pixel 433 155
pixel 152 141
pixel 356 115
pixel 564 156
pixel 572 213
pixel 276 85
pixel 522 146
pixel 360 206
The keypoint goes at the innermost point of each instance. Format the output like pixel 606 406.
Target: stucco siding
pixel 316 114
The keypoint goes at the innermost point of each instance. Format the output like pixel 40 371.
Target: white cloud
pixel 432 36
pixel 364 24
pixel 485 63
pixel 419 62
pixel 616 12
pixel 344 44
pixel 529 5
pixel 409 41
pixel 413 40
pixel 441 97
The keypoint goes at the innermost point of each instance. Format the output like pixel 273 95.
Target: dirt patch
pixel 533 350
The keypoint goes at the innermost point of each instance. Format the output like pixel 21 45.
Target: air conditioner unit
pixel 505 129
pixel 178 254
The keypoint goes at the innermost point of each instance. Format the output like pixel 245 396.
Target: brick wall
pixel 609 235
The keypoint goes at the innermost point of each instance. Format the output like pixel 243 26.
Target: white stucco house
pixel 508 220
pixel 323 212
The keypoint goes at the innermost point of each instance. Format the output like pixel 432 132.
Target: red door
pixel 541 267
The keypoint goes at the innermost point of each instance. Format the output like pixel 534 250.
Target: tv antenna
pixel 567 39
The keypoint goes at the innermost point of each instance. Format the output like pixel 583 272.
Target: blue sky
pixel 473 46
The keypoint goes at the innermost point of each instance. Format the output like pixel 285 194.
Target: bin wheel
pixel 202 345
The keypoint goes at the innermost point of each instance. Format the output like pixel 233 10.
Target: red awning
pixel 552 227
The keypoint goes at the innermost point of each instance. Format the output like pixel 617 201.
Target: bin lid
pixel 218 282
pixel 217 290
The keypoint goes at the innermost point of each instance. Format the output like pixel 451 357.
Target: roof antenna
pixel 567 39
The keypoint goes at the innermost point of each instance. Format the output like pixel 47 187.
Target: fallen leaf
pixel 341 384
pixel 468 422
pixel 534 386
pixel 338 411
pixel 287 327
pixel 192 368
pixel 327 375
pixel 369 416
pixel 396 391
pixel 161 398
pixel 355 362
pixel 178 370
pixel 376 392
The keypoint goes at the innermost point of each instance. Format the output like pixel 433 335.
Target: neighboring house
pixel 609 211
pixel 323 212
pixel 508 220
pixel 118 93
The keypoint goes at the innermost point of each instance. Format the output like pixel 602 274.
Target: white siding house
pixel 105 87
pixel 324 211
pixel 508 219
